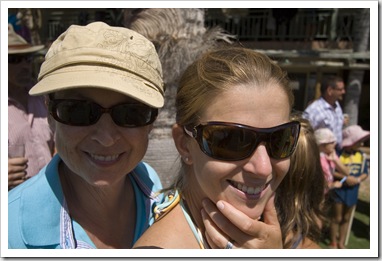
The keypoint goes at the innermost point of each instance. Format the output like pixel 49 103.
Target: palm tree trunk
pixel 355 79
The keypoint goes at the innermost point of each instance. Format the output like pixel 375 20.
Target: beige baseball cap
pixel 98 55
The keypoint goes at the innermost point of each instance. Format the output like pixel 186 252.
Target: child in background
pixel 346 197
pixel 330 162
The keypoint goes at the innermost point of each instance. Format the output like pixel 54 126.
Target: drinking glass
pixel 16 150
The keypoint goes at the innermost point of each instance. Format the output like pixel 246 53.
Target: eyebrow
pixel 76 94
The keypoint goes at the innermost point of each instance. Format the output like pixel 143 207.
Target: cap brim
pixel 100 77
pixel 13 50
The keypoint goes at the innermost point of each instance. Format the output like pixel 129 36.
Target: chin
pixel 254 211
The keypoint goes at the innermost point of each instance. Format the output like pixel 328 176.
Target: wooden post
pixel 350 225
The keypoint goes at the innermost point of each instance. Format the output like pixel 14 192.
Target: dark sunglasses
pixel 16 59
pixel 232 142
pixel 85 113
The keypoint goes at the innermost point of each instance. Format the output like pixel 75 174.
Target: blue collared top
pixel 38 216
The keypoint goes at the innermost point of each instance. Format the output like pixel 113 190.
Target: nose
pixel 105 131
pixel 259 162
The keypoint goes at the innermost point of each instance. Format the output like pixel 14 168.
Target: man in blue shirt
pixel 326 112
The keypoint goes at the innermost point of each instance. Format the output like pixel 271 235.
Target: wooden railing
pixel 305 25
pixel 256 25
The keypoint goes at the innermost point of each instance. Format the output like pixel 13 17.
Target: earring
pixel 185 159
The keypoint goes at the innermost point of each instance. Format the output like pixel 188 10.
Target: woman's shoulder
pixel 33 211
pixel 170 232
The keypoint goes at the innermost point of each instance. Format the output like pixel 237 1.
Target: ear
pixel 330 90
pixel 181 140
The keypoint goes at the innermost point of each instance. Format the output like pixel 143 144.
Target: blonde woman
pixel 235 138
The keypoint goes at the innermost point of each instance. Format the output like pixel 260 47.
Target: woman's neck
pixel 106 214
pixel 193 203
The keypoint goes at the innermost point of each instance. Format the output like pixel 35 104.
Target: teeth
pixel 104 158
pixel 248 190
pixel 251 190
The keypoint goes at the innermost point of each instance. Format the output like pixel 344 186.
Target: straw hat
pixel 18 45
pixel 354 134
pixel 101 56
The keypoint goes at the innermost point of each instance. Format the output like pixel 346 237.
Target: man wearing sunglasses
pixel 103 87
pixel 326 112
pixel 27 116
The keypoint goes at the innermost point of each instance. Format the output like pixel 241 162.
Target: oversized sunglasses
pixel 231 142
pixel 85 113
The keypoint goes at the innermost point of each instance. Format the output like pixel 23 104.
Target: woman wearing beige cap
pixel 103 86
pixel 30 140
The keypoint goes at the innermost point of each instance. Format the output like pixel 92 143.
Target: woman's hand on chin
pixel 224 223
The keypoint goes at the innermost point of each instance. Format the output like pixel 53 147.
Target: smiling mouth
pixel 108 158
pixel 247 189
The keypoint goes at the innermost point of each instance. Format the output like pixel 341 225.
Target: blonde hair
pixel 221 69
pixel 300 196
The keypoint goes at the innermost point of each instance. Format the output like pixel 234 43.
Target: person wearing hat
pixel 346 197
pixel 103 86
pixel 28 126
pixel 332 167
pixel 330 162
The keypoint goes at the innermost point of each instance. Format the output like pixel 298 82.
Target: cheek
pixel 135 142
pixel 211 177
pixel 201 165
pixel 205 170
pixel 138 138
pixel 330 148
pixel 66 137
pixel 280 170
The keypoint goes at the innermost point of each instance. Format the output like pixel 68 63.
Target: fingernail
pixel 220 205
